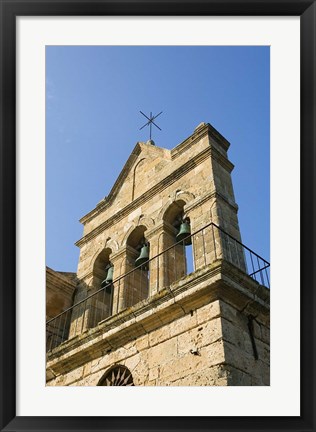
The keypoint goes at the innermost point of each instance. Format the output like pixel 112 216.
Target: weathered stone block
pixel 163 353
pixel 74 375
pixel 157 336
pixel 183 324
pixel 142 343
pixel 236 377
pixel 265 334
pixel 208 312
pixel 153 373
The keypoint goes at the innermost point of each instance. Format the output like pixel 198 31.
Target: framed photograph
pixel 182 115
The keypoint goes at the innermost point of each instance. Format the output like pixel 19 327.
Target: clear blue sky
pixel 93 99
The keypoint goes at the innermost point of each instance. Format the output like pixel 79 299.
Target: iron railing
pixel 209 244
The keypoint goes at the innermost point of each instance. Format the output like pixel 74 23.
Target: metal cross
pixel 150 122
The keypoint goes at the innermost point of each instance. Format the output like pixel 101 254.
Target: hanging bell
pixel 184 233
pixel 143 256
pixel 109 277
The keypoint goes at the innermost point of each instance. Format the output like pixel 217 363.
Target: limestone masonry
pixel 163 295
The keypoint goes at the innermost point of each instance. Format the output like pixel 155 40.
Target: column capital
pixel 121 253
pixel 162 226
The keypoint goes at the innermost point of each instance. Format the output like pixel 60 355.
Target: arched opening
pixel 101 304
pixel 183 238
pixel 138 267
pixel 179 260
pixel 100 267
pixel 174 211
pixel 118 375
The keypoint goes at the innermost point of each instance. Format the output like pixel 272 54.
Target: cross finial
pixel 150 122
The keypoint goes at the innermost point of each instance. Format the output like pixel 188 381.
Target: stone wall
pixel 197 335
pixel 210 346
pixel 243 367
pixel 60 288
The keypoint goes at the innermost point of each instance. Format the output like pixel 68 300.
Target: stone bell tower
pixel 166 292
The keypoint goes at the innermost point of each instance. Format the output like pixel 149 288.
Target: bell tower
pixel 167 294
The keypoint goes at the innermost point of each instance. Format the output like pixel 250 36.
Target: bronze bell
pixel 109 277
pixel 143 257
pixel 184 233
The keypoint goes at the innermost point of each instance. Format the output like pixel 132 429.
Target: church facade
pixel 165 294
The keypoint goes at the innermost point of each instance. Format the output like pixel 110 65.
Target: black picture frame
pixel 10 9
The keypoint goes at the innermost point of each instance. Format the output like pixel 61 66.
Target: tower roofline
pixel 201 130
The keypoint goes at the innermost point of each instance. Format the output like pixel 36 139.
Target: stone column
pixel 211 218
pixel 167 259
pixel 119 262
pixel 154 237
pixel 130 283
pixel 206 241
pixel 79 321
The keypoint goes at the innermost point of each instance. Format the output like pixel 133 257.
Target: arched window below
pixel 117 376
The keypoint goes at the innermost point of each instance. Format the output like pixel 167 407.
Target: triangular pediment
pixel 149 165
pixel 138 174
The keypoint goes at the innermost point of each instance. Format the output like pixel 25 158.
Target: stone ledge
pixel 219 280
pixel 202 130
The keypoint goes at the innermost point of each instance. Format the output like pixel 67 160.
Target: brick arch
pixel 146 221
pixel 136 235
pixel 179 196
pixel 112 244
pixel 184 196
pixel 108 244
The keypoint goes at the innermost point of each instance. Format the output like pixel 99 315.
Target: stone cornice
pixel 218 281
pixel 222 160
pixel 199 133
pixel 189 142
pixel 155 190
pixel 200 201
pixel 218 137
pixel 232 205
